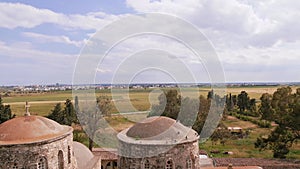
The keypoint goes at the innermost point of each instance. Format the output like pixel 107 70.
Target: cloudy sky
pixel 256 41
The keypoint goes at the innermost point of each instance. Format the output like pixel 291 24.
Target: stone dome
pixel 150 127
pixel 161 128
pixel 159 142
pixel 82 154
pixel 31 129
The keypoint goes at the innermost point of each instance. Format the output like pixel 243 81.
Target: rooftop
pixel 30 129
pixel 82 154
pixel 150 127
pixel 158 130
pixel 106 153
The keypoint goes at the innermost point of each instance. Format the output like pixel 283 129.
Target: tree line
pixel 281 107
pixel 190 112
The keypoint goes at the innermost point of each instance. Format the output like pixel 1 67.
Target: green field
pixel 42 109
pixel 244 148
pixel 54 96
pixel 141 100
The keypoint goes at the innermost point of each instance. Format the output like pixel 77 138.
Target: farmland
pixel 141 100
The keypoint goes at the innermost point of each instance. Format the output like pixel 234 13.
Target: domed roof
pixel 30 129
pixel 82 154
pixel 150 127
pixel 161 128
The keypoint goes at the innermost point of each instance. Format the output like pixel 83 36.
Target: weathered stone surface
pixel 31 142
pixel 176 146
pixel 179 154
pixel 27 156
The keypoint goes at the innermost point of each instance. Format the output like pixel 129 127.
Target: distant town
pixel 65 87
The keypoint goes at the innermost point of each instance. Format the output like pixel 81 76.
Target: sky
pixel 256 41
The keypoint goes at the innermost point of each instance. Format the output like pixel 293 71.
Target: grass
pixel 119 123
pixel 234 122
pixel 41 109
pixel 294 153
pixel 240 149
pixel 256 91
pixel 141 100
pixel 244 148
pixel 54 96
pixel 138 100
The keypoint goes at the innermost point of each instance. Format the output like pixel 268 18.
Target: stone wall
pixel 179 155
pixel 27 156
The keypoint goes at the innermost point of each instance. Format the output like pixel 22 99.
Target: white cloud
pixel 90 21
pixel 58 39
pixel 249 36
pixel 13 15
pixel 26 65
pixel 21 53
pixel 254 23
pixel 146 49
pixel 103 70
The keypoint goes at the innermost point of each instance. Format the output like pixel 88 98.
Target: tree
pixel 286 106
pixel 69 112
pixel 66 116
pixel 210 94
pixel 188 111
pixel 265 109
pixel 57 114
pixel 173 104
pixel 92 117
pixel 253 108
pixel 193 112
pixel 104 104
pixel 169 105
pixel 5 112
pixel 204 107
pixel 157 110
pixel 282 101
pixel 76 105
pixel 243 101
pixel 229 102
pixel 234 100
pixel 1 103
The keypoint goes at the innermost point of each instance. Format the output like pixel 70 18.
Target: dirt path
pixel 235 122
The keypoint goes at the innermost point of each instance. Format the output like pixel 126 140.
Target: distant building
pixel 233 130
pixel 158 143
